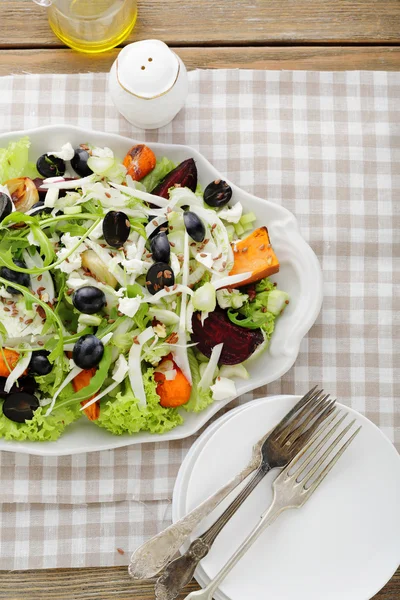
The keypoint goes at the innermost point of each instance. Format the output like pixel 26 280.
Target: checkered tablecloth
pixel 326 146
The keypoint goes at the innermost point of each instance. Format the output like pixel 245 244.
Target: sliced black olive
pixel 217 193
pixel 160 248
pixel 50 166
pixel 158 276
pixel 20 407
pixel 89 299
pixel 25 384
pixel 16 277
pixel 116 228
pixel 38 208
pixel 79 162
pixel 88 351
pixel 160 228
pixel 5 206
pixel 194 226
pixel 40 364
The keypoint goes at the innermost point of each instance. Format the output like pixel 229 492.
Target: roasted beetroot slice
pixel 239 342
pixel 184 175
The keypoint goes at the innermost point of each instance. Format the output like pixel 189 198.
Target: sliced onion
pixel 208 374
pixel 135 370
pixel 231 280
pixel 19 369
pixel 72 374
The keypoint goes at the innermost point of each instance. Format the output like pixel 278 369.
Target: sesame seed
pixel 269 260
pixel 262 247
pixel 244 249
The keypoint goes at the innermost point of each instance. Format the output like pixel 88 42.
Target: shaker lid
pixel 147 68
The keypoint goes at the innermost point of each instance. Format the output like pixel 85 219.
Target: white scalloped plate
pixel 300 275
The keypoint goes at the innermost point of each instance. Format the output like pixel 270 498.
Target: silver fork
pixel 281 445
pixel 150 558
pixel 293 487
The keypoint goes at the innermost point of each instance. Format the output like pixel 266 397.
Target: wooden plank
pixel 228 22
pixel 321 58
pixel 106 584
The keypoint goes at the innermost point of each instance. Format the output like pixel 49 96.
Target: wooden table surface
pixel 254 34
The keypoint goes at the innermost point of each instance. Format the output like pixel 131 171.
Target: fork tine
pixel 327 452
pixel 331 464
pixel 306 435
pixel 306 400
pixel 320 439
pixel 316 409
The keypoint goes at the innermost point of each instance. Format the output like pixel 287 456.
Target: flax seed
pixel 206 242
pixel 167 274
pixel 7 309
pixel 175 286
pixel 21 319
pixel 224 264
pixel 155 223
pixel 40 343
pixel 107 195
pixel 40 278
pixel 203 254
pixel 136 341
pixel 172 244
pixel 213 226
pixel 286 301
pixel 70 292
pixel 28 321
pixel 159 274
pixel 166 288
pixel 40 290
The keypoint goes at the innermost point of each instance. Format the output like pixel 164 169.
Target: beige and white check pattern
pixel 326 146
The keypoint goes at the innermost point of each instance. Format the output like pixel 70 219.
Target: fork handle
pixel 181 570
pixel 267 519
pixel 153 555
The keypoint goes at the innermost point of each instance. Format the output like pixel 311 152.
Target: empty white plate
pixel 343 544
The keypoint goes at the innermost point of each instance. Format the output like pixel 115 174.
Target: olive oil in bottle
pixel 92 25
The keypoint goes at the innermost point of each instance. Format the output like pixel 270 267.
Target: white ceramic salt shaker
pixel 148 84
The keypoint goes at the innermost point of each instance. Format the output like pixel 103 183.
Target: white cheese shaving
pixel 231 214
pixel 66 153
pixel 223 389
pixel 129 306
pixel 20 367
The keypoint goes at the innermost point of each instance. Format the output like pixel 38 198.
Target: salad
pixel 128 294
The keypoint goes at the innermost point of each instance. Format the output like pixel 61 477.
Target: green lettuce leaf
pixel 14 159
pixel 124 415
pixel 40 428
pixel 199 399
pixel 254 314
pixel 162 168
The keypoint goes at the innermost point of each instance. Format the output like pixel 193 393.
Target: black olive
pixel 79 162
pixel 40 364
pixel 88 351
pixel 16 277
pixel 116 228
pixel 20 407
pixel 89 299
pixel 217 193
pixel 25 384
pixel 50 166
pixel 160 248
pixel 194 226
pixel 38 208
pixel 5 206
pixel 160 228
pixel 158 276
